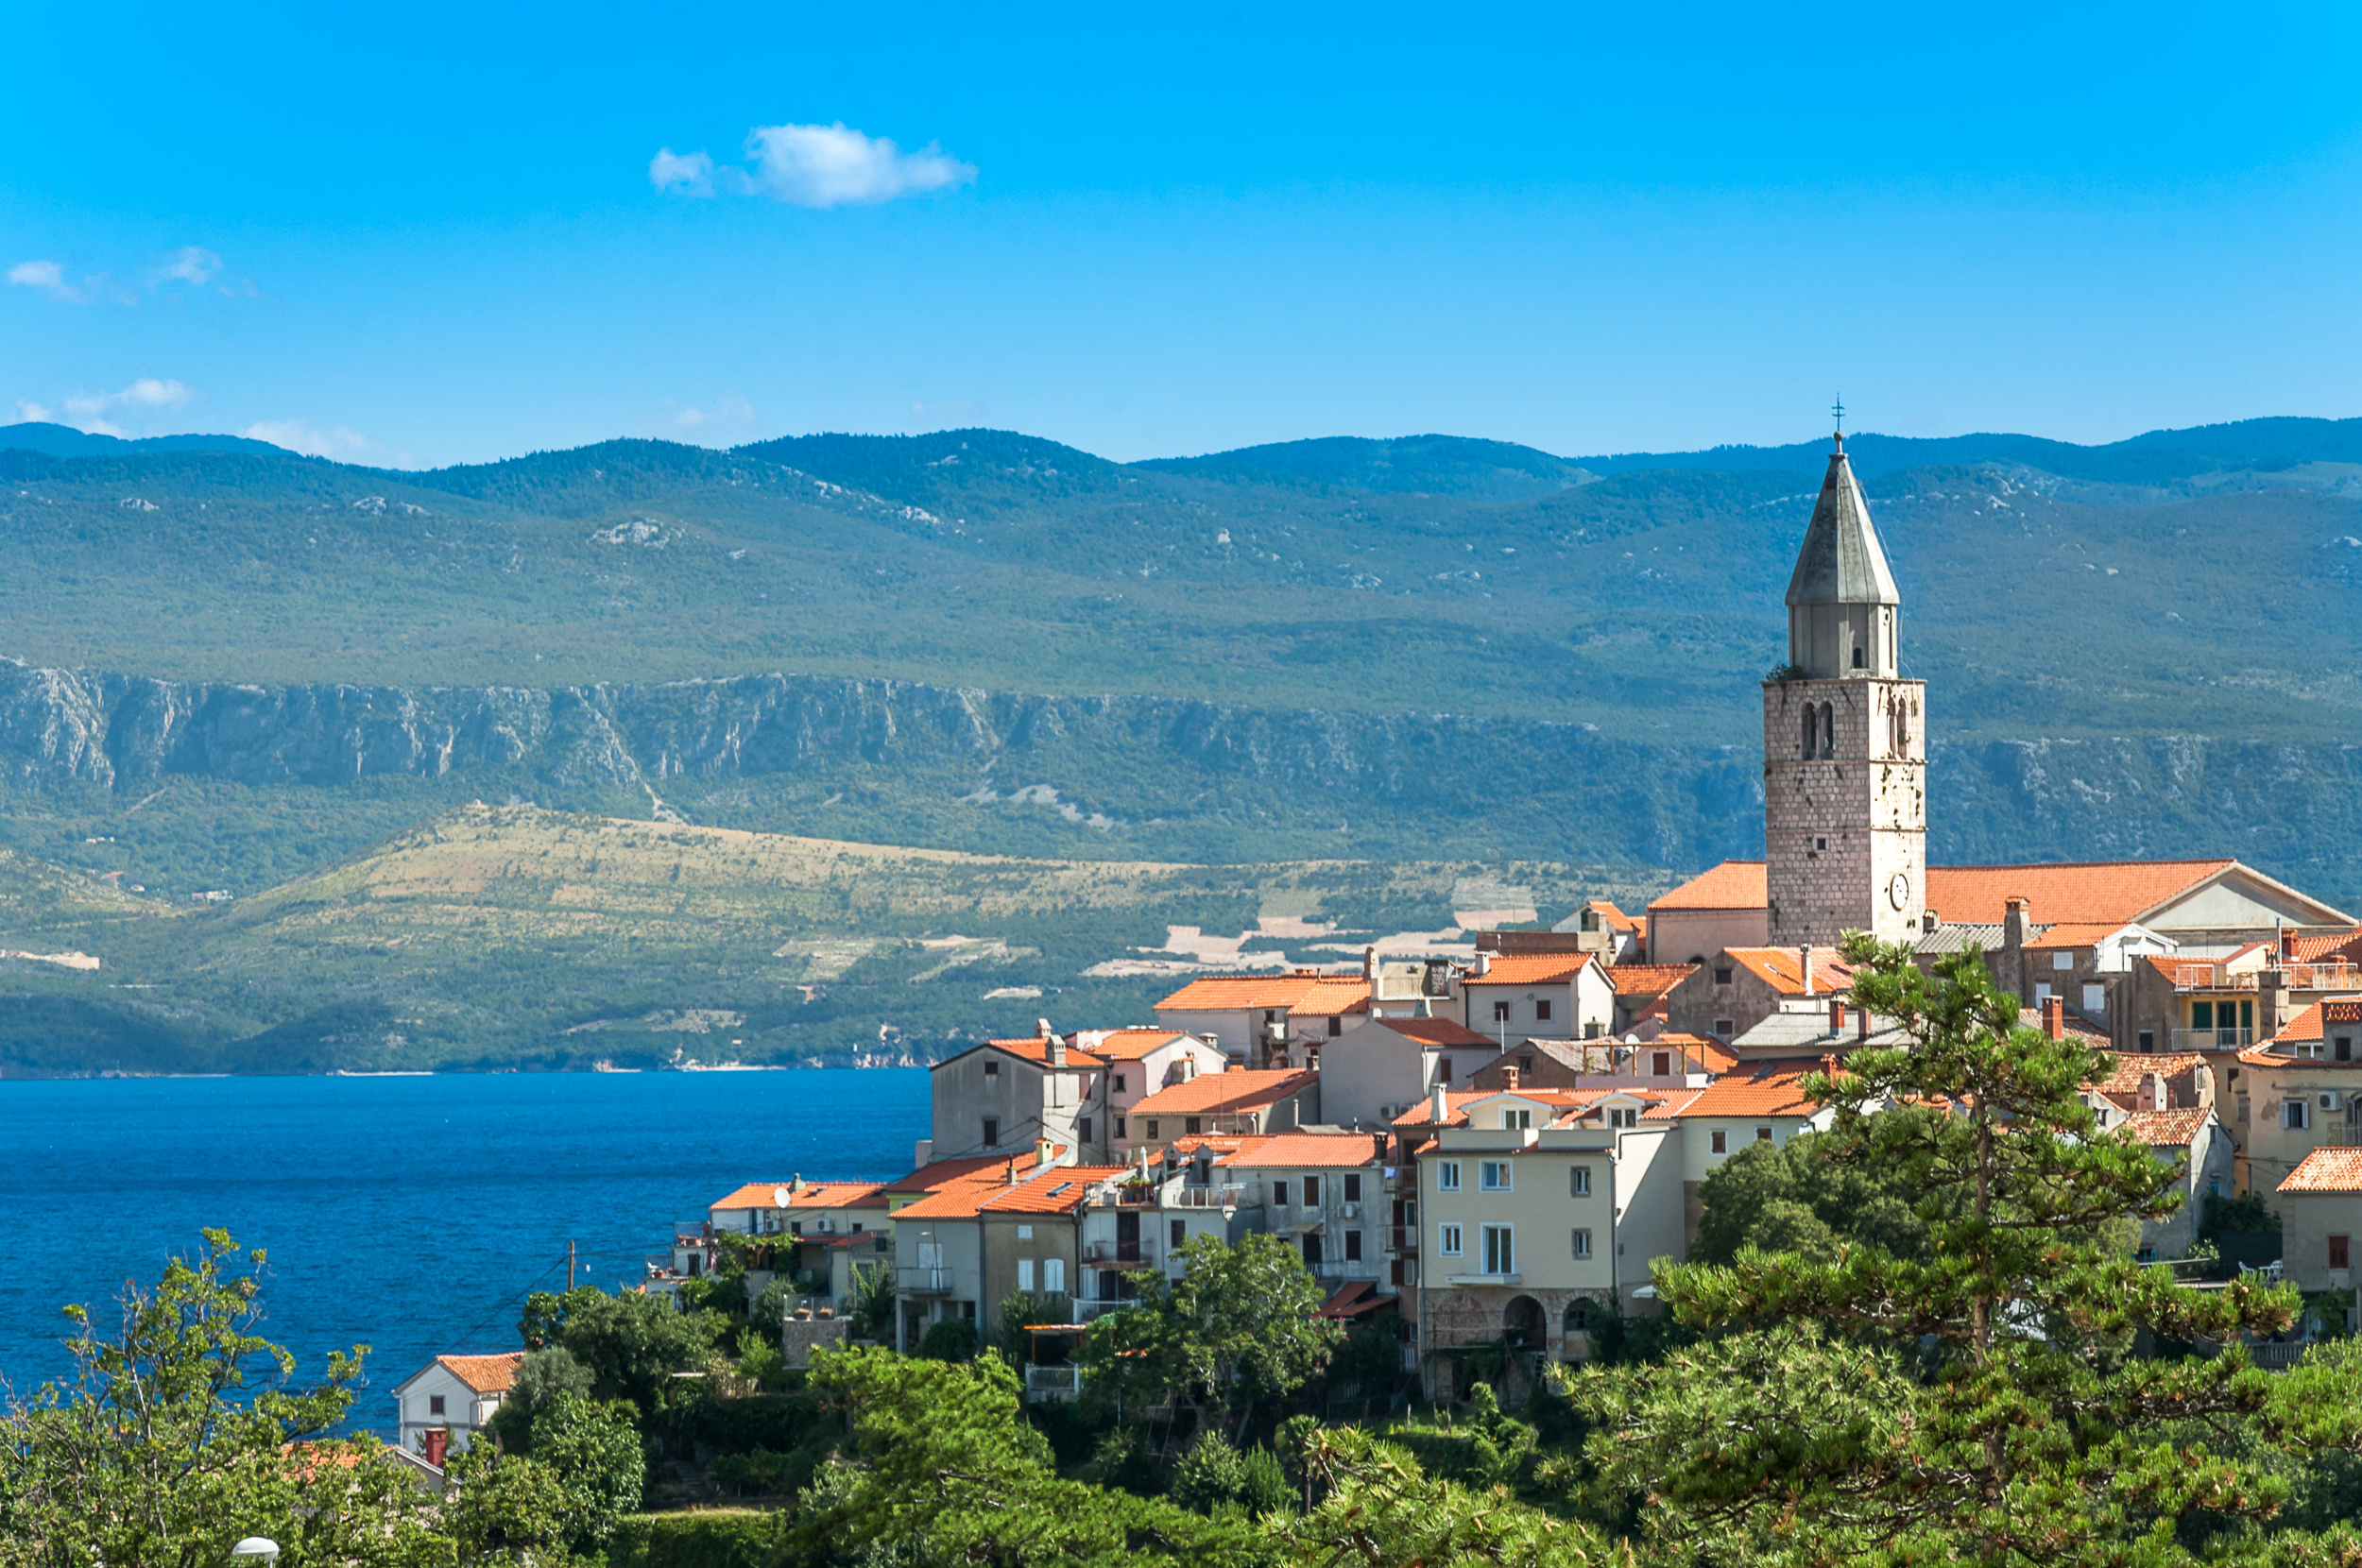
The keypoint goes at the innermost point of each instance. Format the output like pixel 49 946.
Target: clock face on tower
pixel 1899 890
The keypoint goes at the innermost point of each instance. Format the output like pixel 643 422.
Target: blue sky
pixel 431 234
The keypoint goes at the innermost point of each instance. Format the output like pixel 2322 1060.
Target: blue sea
pixel 410 1213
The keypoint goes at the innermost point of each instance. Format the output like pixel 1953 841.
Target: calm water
pixel 408 1214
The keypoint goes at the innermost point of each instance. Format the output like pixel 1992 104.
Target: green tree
pixel 506 1508
pixel 542 1377
pixel 1020 1312
pixel 595 1451
pixel 951 1339
pixel 630 1344
pixel 1975 1405
pixel 1794 1197
pixel 948 1470
pixel 1238 1324
pixel 1377 1509
pixel 185 1430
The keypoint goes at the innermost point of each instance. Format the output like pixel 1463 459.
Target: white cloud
pixel 691 174
pixel 339 443
pixel 99 413
pixel 49 276
pixel 834 166
pixel 813 166
pixel 191 264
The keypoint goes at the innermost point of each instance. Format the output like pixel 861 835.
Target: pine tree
pixel 1983 1404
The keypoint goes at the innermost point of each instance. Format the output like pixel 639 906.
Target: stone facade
pixel 1454 1316
pixel 1846 827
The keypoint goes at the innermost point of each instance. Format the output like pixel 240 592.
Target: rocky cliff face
pixel 1147 769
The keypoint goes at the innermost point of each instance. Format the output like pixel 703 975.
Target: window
pixel 2148 1039
pixel 2345 1048
pixel 2337 1252
pixel 1623 1116
pixel 1352 1186
pixel 1152 1129
pixel 1501 1257
pixel 992 1067
pixel 1542 1011
pixel 1025 1232
pixel 1517 1121
pixel 1119 1133
pixel 2095 998
pixel 1723 1027
pixel 1312 1192
pixel 2042 994
pixel 1053 1275
pixel 1448 1175
pixel 1828 740
pixel 1493 1175
pixel 1353 1246
pixel 1443 1070
pixel 1806 750
pixel 1721 974
pixel 1582 1243
pixel 1119 1083
pixel 1500 1013
pixel 1861 657
pixel 2292 1115
pixel 1721 1141
pixel 1579 1181
pixel 1448 1240
pixel 1525 1064
pixel 1279 1192
pixel 1821 843
pixel 1661 1064
pixel 2063 960
pixel 1083 1129
pixel 1336 1025
pixel 435 1402
pixel 1312 1250
pixel 1025 1273
pixel 992 1131
pixel 1763 1135
pixel 1189 1126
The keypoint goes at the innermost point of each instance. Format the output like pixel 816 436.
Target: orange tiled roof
pixel 816 1195
pixel 1783 969
pixel 1529 969
pixel 1572 1104
pixel 2076 1027
pixel 1241 1089
pixel 1455 1106
pixel 1731 885
pixel 1615 918
pixel 2167 1128
pixel 959 1198
pixel 1060 1191
pixel 1035 1048
pixel 2312 949
pixel 2110 893
pixel 2131 1066
pixel 1342 993
pixel 936 1174
pixel 1240 992
pixel 485 1374
pixel 1757 1089
pixel 2072 934
pixel 1220 1142
pixel 2325 1170
pixel 1436 1031
pixel 1648 979
pixel 1288 1150
pixel 1130 1044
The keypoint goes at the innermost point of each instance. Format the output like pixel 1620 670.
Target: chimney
pixel 1438 1108
pixel 1426 1008
pixel 922 1153
pixel 2152 1092
pixel 1804 955
pixel 2272 1002
pixel 1861 1024
pixel 435 1441
pixel 2287 945
pixel 1483 964
pixel 2054 1018
pixel 1056 1051
pixel 1369 964
pixel 1837 1015
pixel 1043 1153
pixel 2015 924
pixel 1042 1030
pixel 1509 1078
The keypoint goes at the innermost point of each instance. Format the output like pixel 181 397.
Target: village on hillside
pixel 1491 1154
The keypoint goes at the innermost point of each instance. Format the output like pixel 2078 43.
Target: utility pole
pixel 570 1265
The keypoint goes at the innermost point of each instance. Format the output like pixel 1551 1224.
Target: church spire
pixel 1842 604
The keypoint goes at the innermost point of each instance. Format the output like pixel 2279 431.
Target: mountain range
pixel 239 668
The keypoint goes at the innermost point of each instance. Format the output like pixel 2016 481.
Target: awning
pixel 1306 1227
pixel 1357 1302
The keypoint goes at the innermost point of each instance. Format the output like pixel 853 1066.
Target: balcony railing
pixel 2334 975
pixel 1054 1382
pixel 924 1281
pixel 2212 1039
pixel 1233 1196
pixel 1403 1240
pixel 1121 1255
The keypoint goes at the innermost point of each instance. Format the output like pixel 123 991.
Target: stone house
pixel 1738 987
pixel 1598 927
pixel 1371 1074
pixel 1011 1093
pixel 2320 1204
pixel 1641 990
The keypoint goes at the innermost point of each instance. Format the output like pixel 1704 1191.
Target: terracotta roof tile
pixel 2069 1020
pixel 1647 979
pixel 1731 885
pixel 1756 1089
pixel 938 1174
pixel 1129 1044
pixel 1436 1031
pixel 1529 969
pixel 816 1195
pixel 1290 1151
pixel 1614 918
pixel 1241 1089
pixel 2110 893
pixel 1331 997
pixel 1035 1049
pixel 2325 1170
pixel 2065 934
pixel 1240 992
pixel 2131 1066
pixel 1060 1191
pixel 1455 1105
pixel 485 1374
pixel 2167 1128
pixel 1782 968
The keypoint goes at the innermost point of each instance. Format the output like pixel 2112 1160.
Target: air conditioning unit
pixel 1349 1211
pixel 825 1226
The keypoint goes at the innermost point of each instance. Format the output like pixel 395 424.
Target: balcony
pixel 1402 1240
pixel 1053 1382
pixel 2335 976
pixel 1233 1196
pixel 2212 1039
pixel 923 1282
pixel 1117 1255
pixel 1483 1279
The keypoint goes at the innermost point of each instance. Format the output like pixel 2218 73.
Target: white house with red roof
pixel 2196 1142
pixel 1142 1061
pixel 441 1406
pixel 1373 1072
pixel 2320 1204
pixel 1506 997
pixel 1286 1019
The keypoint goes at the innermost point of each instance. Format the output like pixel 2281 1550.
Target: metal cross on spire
pixel 1838 408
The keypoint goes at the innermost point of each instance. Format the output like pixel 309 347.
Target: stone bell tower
pixel 1844 741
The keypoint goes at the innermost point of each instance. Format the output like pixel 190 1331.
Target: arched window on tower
pixel 1812 732
pixel 1861 657
pixel 1902 732
pixel 1828 731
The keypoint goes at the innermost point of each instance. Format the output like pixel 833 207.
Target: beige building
pixel 2292 1095
pixel 2320 1204
pixel 1376 1071
pixel 2195 1141
pixel 1240 1102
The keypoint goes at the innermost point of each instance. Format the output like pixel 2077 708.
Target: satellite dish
pixel 780 1197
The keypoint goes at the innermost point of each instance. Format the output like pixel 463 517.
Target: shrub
pixel 949 1341
pixel 1210 1474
